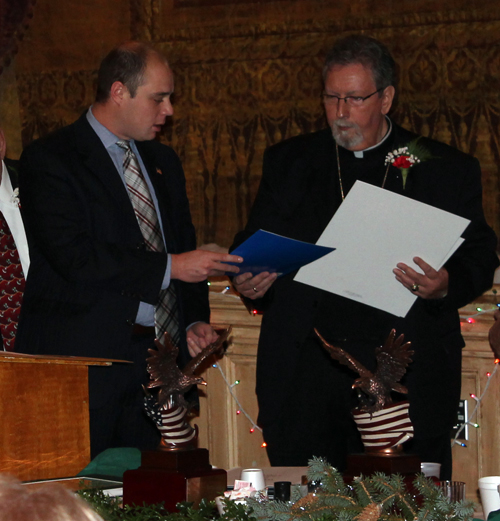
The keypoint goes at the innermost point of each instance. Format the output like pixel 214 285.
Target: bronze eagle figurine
pixel 375 388
pixel 165 374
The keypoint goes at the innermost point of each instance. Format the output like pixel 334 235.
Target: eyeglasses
pixel 352 101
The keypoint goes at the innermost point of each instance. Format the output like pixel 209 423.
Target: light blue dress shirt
pixel 146 312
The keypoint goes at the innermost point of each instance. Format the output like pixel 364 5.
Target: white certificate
pixel 372 231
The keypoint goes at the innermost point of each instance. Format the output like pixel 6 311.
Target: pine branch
pixel 375 498
pixel 330 478
pixel 361 491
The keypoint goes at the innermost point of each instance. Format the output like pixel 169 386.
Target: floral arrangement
pixel 405 157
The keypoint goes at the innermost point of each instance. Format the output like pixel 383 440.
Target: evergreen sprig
pixel 111 509
pixel 418 150
pixel 374 498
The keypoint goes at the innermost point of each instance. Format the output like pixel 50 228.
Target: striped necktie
pixel 166 310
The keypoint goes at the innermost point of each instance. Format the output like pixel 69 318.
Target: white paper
pixel 373 231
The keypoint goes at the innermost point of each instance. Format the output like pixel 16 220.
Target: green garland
pixel 373 498
pixel 110 509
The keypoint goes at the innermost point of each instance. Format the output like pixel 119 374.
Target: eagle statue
pixel 168 408
pixel 374 389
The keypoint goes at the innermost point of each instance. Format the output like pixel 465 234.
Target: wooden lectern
pixel 44 413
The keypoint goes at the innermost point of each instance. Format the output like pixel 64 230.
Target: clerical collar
pixel 360 153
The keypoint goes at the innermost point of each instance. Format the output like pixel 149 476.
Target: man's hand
pixel 494 335
pixel 199 336
pixel 254 287
pixel 431 285
pixel 197 265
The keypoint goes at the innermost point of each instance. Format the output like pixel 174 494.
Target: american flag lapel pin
pixel 158 171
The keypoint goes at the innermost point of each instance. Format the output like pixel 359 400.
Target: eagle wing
pixel 164 372
pixel 344 357
pixel 393 358
pixel 214 347
pixel 162 362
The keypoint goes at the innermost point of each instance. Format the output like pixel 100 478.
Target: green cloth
pixel 494 515
pixel 113 463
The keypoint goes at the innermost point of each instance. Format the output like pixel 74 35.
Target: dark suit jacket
pixel 298 195
pixel 89 265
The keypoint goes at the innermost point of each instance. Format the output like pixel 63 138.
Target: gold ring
pixel 415 287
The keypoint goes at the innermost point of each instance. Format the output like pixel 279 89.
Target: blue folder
pixel 266 251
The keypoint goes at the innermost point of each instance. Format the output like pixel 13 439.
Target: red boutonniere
pixel 405 157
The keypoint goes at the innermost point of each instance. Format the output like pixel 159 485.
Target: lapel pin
pixel 158 171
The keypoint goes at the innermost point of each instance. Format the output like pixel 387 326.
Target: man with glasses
pixel 305 398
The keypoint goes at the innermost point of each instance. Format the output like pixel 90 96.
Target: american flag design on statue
pixel 172 423
pixel 174 429
pixel 166 313
pixel 384 429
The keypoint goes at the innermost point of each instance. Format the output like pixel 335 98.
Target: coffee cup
pixel 490 496
pixel 430 469
pixel 255 477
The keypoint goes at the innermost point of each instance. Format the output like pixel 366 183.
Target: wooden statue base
pixel 408 465
pixel 171 477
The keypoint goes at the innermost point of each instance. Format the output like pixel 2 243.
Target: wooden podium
pixel 44 413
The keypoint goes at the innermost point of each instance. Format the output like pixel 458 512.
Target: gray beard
pixel 342 138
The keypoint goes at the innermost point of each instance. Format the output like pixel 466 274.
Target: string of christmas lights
pixel 240 410
pixel 230 386
pixel 235 398
pixel 467 421
pixel 480 311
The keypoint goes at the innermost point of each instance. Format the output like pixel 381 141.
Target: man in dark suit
pixel 14 256
pixel 112 244
pixel 305 398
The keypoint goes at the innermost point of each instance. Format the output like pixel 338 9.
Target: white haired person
pixel 48 502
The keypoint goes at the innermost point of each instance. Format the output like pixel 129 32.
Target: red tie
pixel 11 285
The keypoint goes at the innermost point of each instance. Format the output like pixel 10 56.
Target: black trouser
pixel 117 416
pixel 315 419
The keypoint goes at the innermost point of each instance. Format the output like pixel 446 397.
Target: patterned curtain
pixel 244 84
pixel 14 18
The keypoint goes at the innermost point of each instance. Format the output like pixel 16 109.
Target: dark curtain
pixel 14 18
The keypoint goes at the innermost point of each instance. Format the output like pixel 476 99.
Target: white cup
pixel 255 477
pixel 430 470
pixel 490 494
